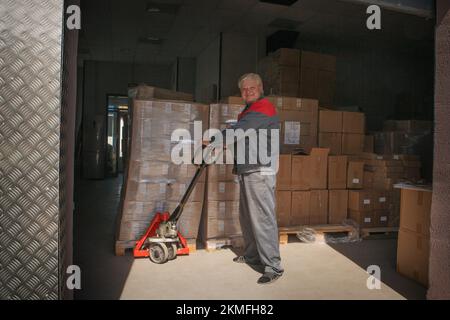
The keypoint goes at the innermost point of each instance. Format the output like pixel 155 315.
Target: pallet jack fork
pixel 162 241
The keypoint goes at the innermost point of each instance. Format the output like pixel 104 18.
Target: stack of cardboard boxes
pixel 414 234
pixel 153 183
pixel 298 123
pixel 280 72
pixel 317 77
pixel 342 132
pixel 301 191
pixel 221 210
pixel 295 73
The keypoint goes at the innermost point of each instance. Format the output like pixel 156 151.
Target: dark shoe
pixel 243 259
pixel 239 259
pixel 269 277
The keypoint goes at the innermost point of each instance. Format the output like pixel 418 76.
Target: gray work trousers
pixel 258 220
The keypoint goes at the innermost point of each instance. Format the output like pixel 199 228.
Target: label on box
pixel 383 219
pixel 165 169
pixel 396 157
pixel 356 180
pixel 382 199
pixel 222 187
pixel 366 201
pixel 187 108
pixel 279 102
pixel 221 225
pixel 367 220
pixel 162 188
pixel 168 108
pixel 224 111
pixel 291 132
pixel 222 170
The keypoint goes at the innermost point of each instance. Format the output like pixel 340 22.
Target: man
pixel 257 188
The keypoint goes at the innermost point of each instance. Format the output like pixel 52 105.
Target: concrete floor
pixel 312 271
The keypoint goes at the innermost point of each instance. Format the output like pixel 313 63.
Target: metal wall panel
pixel 30 102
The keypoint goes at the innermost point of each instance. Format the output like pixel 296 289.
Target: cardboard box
pixel 234 100
pixel 360 200
pixel 337 206
pixel 189 222
pixel 413 253
pixel 284 172
pixel 380 218
pixel 222 209
pixel 221 113
pixel 355 175
pixel 368 143
pixel 319 168
pixel 298 130
pixel 283 208
pixel 184 172
pixel 365 219
pixel 318 207
pixel 381 200
pixel 144 92
pixel 301 207
pixel 301 173
pixel 295 104
pixel 223 191
pixel 330 121
pixel 332 141
pixel 353 122
pixel 175 191
pixel 221 173
pixel 337 172
pixel 415 211
pixel 352 143
pixel 368 180
pixel 317 77
pixel 146 191
pixel 287 57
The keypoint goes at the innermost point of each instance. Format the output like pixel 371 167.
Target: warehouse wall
pixel 186 74
pixel 101 79
pixel 439 273
pixel 384 79
pixel 207 74
pixel 239 56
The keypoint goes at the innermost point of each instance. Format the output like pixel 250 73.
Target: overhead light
pixel 153 10
pixel 167 8
pixel 151 40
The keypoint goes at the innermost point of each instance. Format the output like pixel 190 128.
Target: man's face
pixel 251 90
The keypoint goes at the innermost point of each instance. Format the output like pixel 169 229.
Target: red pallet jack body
pixel 139 250
pixel 162 241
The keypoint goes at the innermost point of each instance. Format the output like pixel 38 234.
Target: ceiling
pixel 115 30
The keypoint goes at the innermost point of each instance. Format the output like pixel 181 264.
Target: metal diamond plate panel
pixel 30 67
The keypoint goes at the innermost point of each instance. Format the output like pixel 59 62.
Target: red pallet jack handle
pixel 139 252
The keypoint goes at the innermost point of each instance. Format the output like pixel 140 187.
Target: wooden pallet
pixel 212 245
pixel 379 233
pixel 319 231
pixel 122 246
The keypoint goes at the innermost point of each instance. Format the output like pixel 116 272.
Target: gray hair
pixel 252 76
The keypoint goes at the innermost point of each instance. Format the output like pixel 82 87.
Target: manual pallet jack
pixel 162 241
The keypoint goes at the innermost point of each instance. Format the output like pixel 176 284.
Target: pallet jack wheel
pixel 158 253
pixel 172 248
